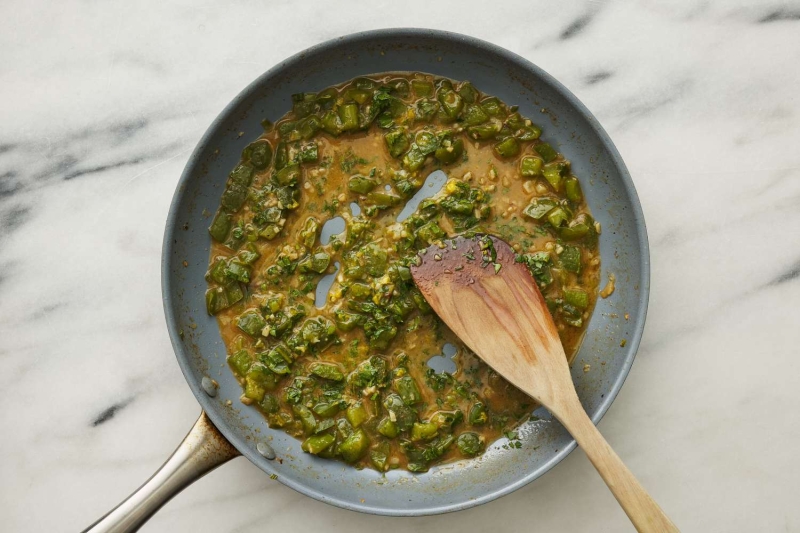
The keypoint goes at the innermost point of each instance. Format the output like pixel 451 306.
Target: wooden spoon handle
pixel 643 511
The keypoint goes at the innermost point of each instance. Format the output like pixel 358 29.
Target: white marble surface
pixel 102 103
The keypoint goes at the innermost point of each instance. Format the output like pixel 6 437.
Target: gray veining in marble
pixel 102 103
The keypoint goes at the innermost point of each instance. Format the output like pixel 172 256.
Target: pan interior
pixel 566 123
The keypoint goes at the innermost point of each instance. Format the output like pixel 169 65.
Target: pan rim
pixel 520 62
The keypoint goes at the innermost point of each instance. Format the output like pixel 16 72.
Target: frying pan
pixel 227 428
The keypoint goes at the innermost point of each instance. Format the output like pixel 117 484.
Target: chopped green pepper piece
pixel 547 152
pixel 326 371
pixel 507 148
pixel 530 166
pixel 571 259
pixel 468 92
pixel 576 297
pixel 258 381
pixel 450 151
pixel 484 131
pixel 317 443
pixel 242 175
pixel 423 431
pixel 355 446
pixel 307 418
pixel 575 232
pixel 477 414
pixel 233 197
pixel 557 217
pixel 327 409
pixel 347 321
pixel 573 189
pixel 554 173
pixel 528 133
pixel 408 390
pixel 383 199
pixel 331 123
pixel 288 175
pixel 361 184
pixel 220 226
pixel 426 142
pixel 422 88
pixel 397 141
pixel 240 362
pixel 469 444
pixel 414 159
pixel 493 107
pixel 259 154
pixel 357 414
pixel 387 428
pixel 539 207
pixel 251 322
pixel 348 113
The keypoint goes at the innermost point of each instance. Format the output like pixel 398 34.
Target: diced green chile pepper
pixel 423 431
pixel 555 172
pixel 575 232
pixel 348 113
pixel 468 92
pixel 426 109
pixel 450 151
pixel 258 380
pixel 387 428
pixel 571 259
pixel 317 443
pixel 404 416
pixel 422 88
pixel 469 444
pixel 408 389
pixel 528 133
pixel 530 166
pixel 288 175
pixel 251 322
pixel 572 188
pixel 331 123
pixel 414 159
pixel 233 197
pixel 220 226
pixel 547 152
pixel 383 199
pixel 492 107
pixel 357 414
pixel 557 217
pixel 577 298
pixel 507 147
pixel 240 362
pixel 242 174
pixel 307 418
pixel 238 271
pixel 426 142
pixel 539 207
pixel 327 371
pixel 484 131
pixel 259 154
pixel 355 446
pixel 347 321
pixel 397 141
pixel 361 184
pixel 327 409
pixel 477 414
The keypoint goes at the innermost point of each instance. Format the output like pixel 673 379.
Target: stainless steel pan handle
pixel 203 449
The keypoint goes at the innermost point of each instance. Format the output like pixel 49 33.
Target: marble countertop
pixel 102 103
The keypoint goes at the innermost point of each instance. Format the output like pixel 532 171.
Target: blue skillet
pixel 227 428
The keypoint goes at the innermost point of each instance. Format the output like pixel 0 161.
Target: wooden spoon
pixel 492 303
